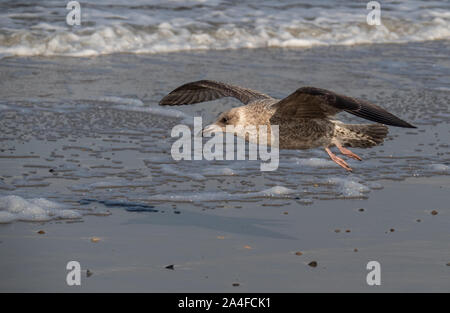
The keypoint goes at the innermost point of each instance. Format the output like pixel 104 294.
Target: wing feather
pixel 207 90
pixel 311 102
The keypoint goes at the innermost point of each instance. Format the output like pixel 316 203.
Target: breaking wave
pixel 169 26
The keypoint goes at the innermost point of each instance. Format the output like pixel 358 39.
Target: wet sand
pixel 253 246
pixel 84 131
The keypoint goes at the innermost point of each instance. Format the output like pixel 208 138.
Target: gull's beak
pixel 210 129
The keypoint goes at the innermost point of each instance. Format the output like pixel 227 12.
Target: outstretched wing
pixel 311 102
pixel 207 90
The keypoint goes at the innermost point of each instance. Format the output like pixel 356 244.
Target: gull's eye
pixel 224 120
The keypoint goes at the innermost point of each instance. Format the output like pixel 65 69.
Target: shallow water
pixel 101 133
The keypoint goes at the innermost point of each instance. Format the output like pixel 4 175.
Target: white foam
pixel 375 186
pixel 171 171
pixel 274 192
pixel 15 208
pixel 442 88
pixel 439 168
pixel 219 171
pixel 112 184
pixel 314 162
pixel 306 201
pixel 186 119
pixel 121 100
pixel 193 197
pixel 29 183
pixel 348 187
pixel 222 26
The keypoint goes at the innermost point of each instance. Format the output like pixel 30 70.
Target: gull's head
pixel 234 117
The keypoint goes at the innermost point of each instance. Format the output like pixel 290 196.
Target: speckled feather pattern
pixel 304 117
pixel 304 133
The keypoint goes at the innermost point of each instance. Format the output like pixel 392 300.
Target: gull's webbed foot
pixel 338 160
pixel 348 153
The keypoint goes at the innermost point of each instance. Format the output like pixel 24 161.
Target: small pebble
pixel 89 273
pixel 95 239
pixel 418 220
pixel 285 213
pixel 298 253
pixel 392 230
pixel 337 230
pixel 236 284
pixel 361 210
pixel 355 250
pixel 41 232
pixel 170 267
pixel 434 212
pixel 312 264
pixel 348 231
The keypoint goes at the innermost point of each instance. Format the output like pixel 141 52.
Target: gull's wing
pixel 311 102
pixel 207 90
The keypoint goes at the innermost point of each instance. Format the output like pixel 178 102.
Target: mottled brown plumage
pixel 304 117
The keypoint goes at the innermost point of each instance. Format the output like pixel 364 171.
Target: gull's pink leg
pixel 338 160
pixel 347 152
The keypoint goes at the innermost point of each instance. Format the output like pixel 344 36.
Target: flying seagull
pixel 305 117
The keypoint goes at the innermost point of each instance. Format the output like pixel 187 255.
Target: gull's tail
pixel 361 135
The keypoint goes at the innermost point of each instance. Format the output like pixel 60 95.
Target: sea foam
pixel 15 208
pixel 348 187
pixel 274 192
pixel 170 26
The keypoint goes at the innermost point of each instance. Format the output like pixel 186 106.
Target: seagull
pixel 305 118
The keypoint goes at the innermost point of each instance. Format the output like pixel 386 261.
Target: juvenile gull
pixel 304 117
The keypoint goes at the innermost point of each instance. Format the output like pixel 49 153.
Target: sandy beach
pixel 254 246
